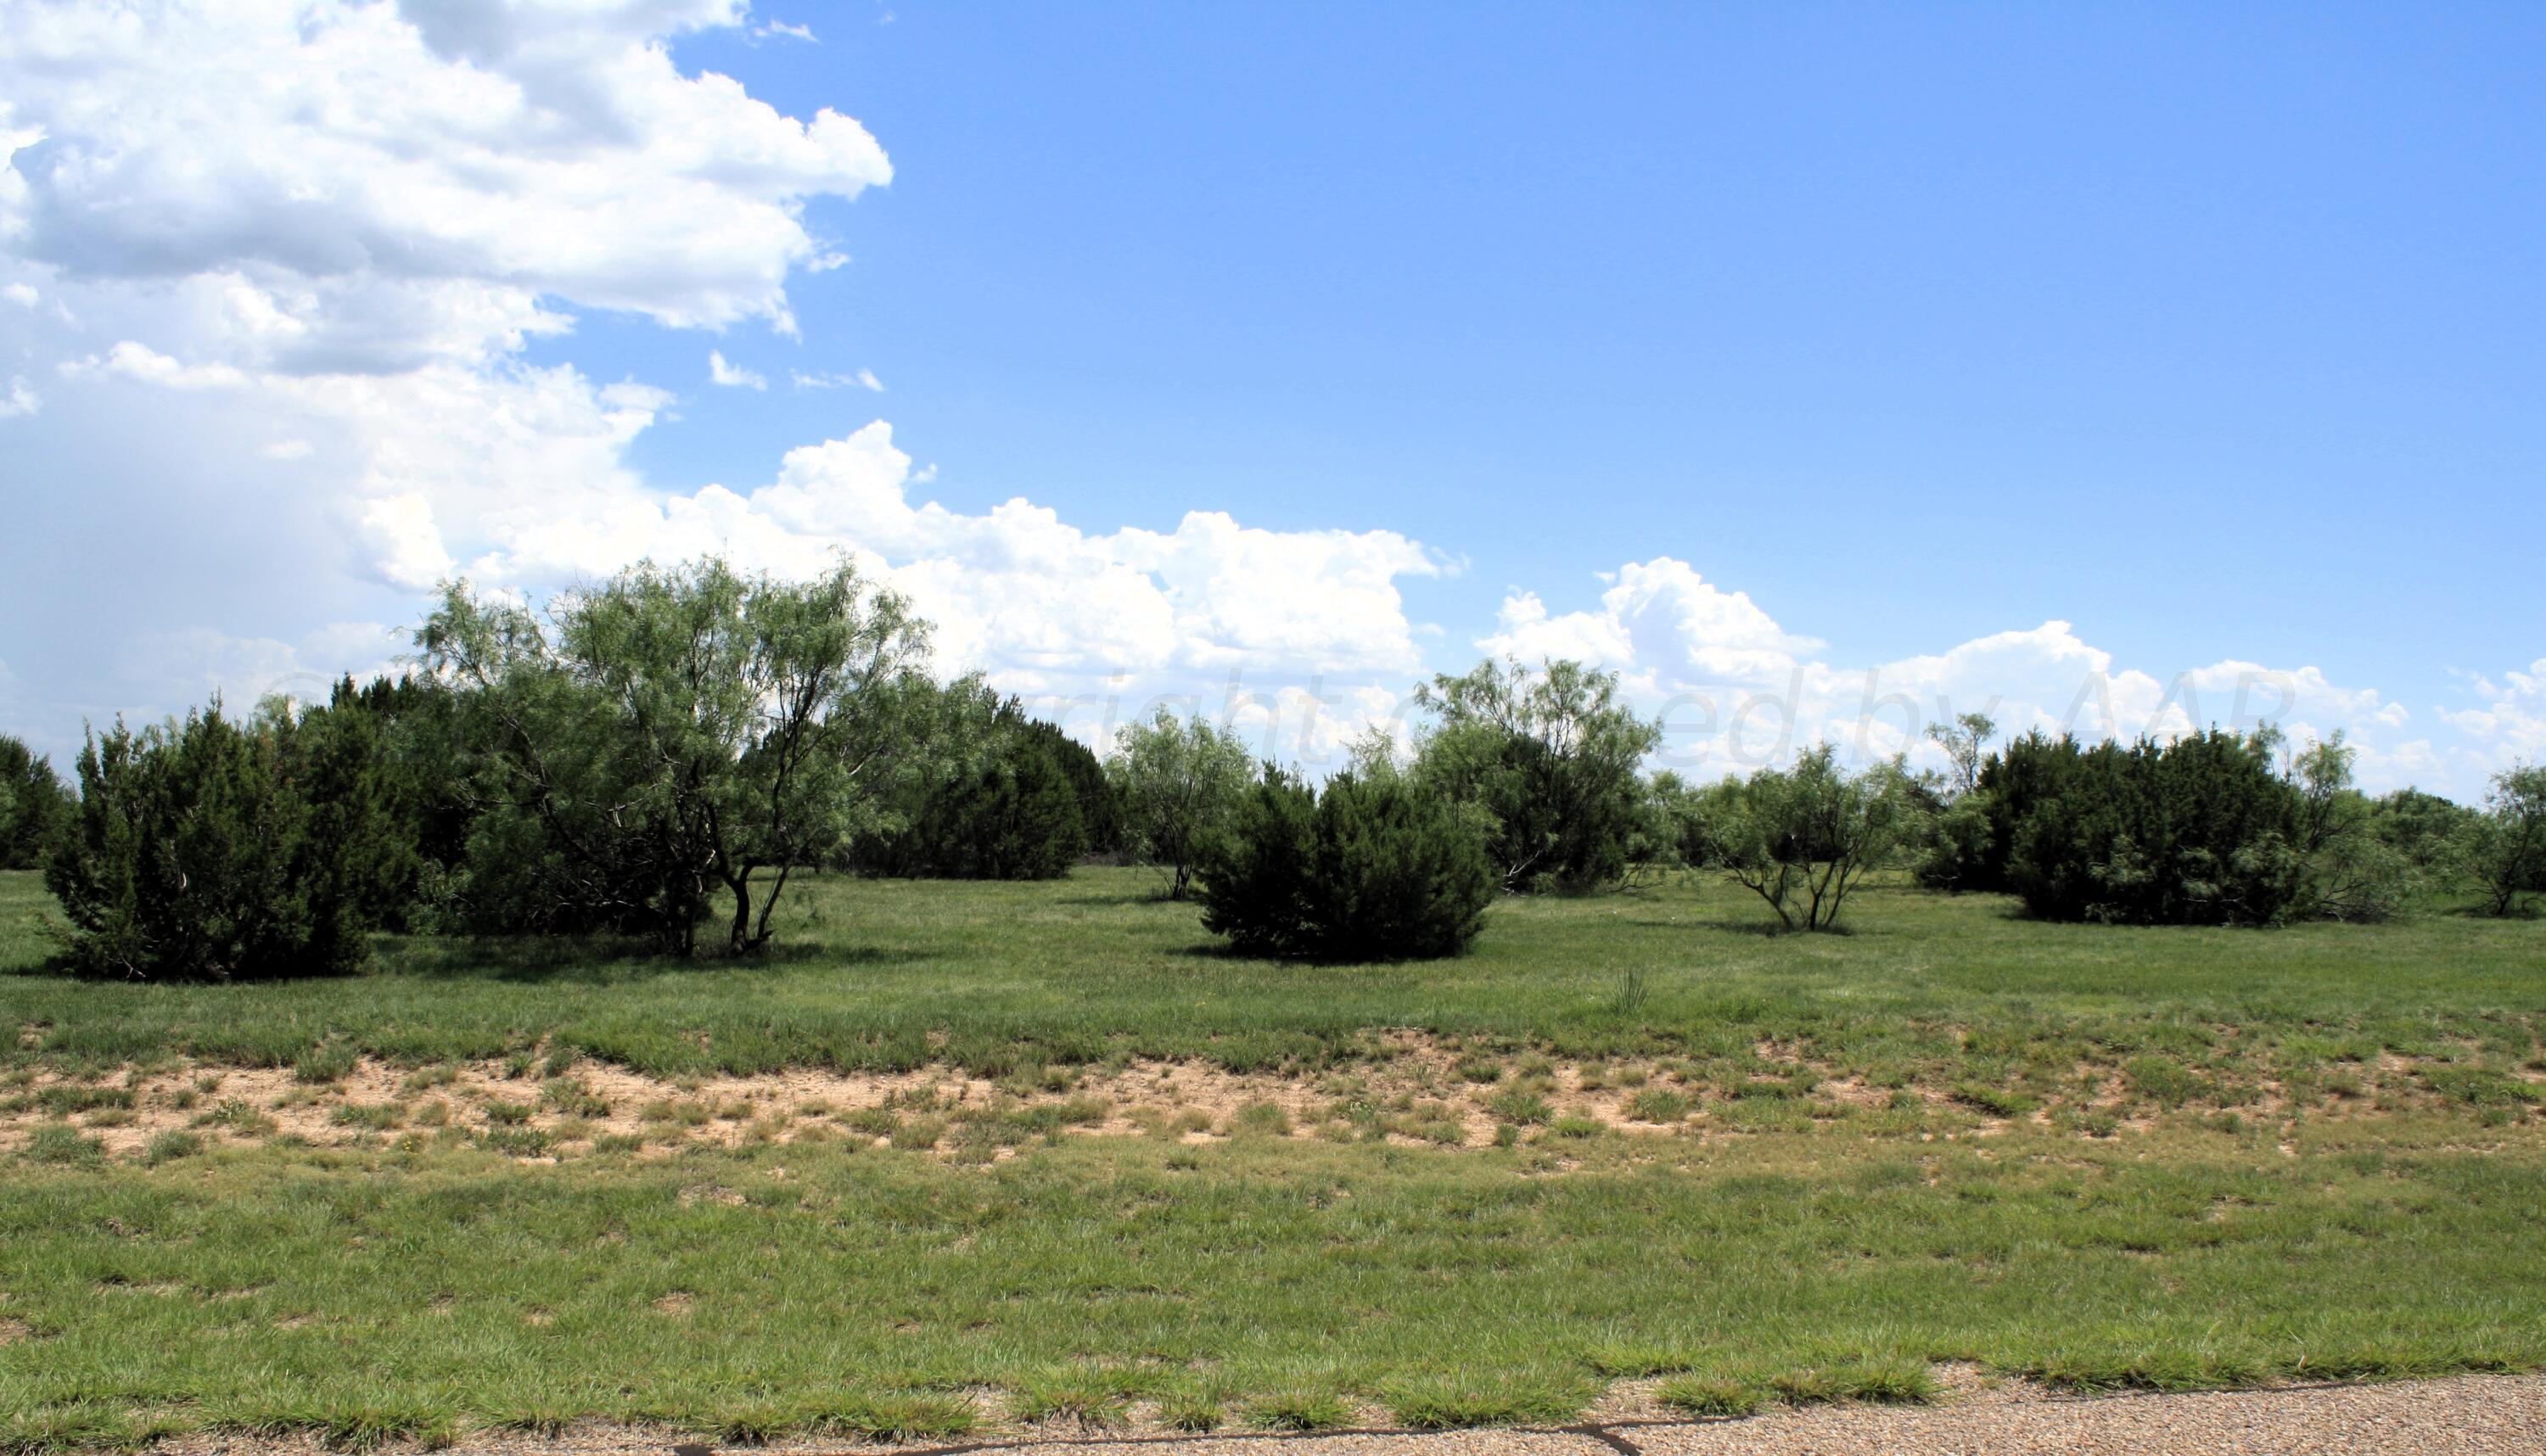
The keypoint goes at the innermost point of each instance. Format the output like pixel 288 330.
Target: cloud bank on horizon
pixel 270 276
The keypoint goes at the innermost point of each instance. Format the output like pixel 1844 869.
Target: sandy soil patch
pixel 1414 1090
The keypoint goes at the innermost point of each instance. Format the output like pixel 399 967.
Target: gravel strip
pixel 2466 1416
pixel 2471 1415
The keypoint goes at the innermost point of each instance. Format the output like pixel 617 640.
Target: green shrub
pixel 2198 831
pixel 2426 829
pixel 1369 870
pixel 1178 783
pixel 1803 838
pixel 2504 848
pixel 34 806
pixel 1957 845
pixel 210 850
pixel 673 737
pixel 1016 806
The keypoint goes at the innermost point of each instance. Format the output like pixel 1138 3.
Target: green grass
pixel 1695 1395
pixel 1298 1410
pixel 445 1286
pixel 425 1280
pixel 889 975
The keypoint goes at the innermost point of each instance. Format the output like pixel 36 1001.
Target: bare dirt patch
pixel 1412 1089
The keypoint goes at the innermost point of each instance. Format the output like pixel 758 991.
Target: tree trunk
pixel 769 906
pixel 740 939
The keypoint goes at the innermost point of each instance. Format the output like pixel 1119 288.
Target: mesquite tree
pixel 1966 744
pixel 2506 846
pixel 677 734
pixel 1551 755
pixel 1180 782
pixel 1803 838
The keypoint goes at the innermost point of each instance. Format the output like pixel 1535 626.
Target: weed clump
pixel 59 1144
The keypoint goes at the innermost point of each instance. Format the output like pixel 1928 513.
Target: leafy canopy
pixel 1012 800
pixel 676 733
pixel 1370 869
pixel 215 850
pixel 35 805
pixel 1178 782
pixel 1550 756
pixel 1803 838
pixel 2506 845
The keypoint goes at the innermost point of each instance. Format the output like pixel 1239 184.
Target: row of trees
pixel 1543 771
pixel 1526 779
pixel 659 756
pixel 656 756
pixel 2222 828
pixel 34 805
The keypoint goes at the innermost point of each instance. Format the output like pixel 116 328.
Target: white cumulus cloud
pixel 733 375
pixel 1038 602
pixel 1735 689
pixel 2507 723
pixel 308 241
pixel 270 267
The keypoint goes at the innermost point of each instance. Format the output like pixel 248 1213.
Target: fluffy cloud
pixel 1661 617
pixel 1734 689
pixel 385 183
pixel 2508 722
pixel 308 241
pixel 1040 604
pixel 265 270
pixel 268 273
pixel 733 375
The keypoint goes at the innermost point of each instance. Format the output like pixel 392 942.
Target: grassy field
pixel 895 973
pixel 2095 1156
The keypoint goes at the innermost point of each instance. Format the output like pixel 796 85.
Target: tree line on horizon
pixel 658 757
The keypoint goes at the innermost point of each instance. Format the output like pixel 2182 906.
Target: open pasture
pixel 988 1156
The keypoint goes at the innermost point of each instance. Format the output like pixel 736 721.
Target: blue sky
pixel 2215 335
